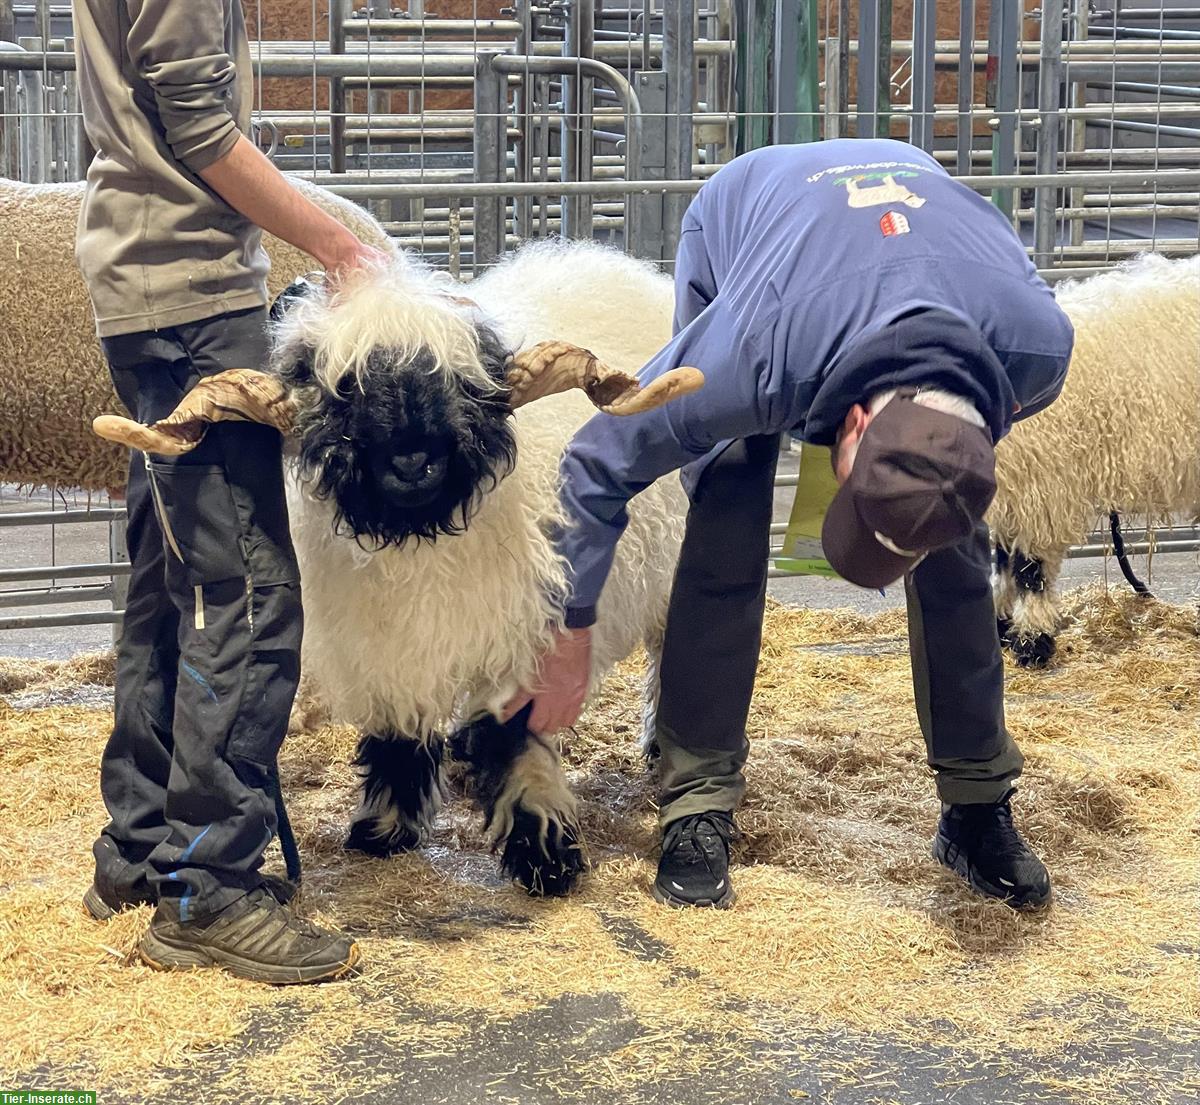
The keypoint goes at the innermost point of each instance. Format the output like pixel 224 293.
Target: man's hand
pixel 558 699
pixel 347 255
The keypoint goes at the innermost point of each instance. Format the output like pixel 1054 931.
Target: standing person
pixel 169 243
pixel 852 293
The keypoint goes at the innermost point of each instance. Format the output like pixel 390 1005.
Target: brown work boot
pixel 256 937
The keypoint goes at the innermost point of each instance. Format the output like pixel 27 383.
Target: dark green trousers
pixel 714 631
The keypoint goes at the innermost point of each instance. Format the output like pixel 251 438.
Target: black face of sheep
pixel 405 450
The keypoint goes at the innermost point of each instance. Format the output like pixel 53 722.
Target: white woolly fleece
pixel 408 640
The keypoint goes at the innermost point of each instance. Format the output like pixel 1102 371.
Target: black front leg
pixel 516 779
pixel 401 791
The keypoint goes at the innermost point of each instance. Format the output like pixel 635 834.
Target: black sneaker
pixel 256 938
pixel 980 843
pixel 694 867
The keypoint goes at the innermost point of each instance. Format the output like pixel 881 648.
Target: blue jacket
pixel 807 279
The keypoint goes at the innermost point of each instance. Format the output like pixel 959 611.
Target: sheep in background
pixel 52 372
pixel 1123 438
pixel 422 511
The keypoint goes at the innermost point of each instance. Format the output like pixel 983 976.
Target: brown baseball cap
pixel 922 480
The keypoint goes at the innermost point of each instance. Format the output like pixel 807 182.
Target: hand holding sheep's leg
pixel 562 686
pixel 516 778
pixel 401 793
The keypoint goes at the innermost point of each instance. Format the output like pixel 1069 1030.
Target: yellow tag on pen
pixel 816 486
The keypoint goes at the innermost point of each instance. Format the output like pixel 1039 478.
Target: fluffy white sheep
pixel 408 642
pixel 1123 437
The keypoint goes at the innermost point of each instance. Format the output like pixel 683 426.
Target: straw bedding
pixel 844 931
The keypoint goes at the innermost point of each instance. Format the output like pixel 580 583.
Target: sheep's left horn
pixel 556 366
pixel 238 394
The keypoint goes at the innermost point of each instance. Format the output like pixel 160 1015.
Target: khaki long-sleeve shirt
pixel 166 89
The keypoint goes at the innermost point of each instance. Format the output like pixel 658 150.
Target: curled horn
pixel 237 395
pixel 556 366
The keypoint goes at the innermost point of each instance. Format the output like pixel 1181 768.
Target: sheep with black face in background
pixel 1123 438
pixel 422 512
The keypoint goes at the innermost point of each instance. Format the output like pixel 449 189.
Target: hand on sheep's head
pixel 349 257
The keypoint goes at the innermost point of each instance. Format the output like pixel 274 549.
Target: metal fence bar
pixel 60 517
pixel 338 10
pixel 679 30
pixel 578 96
pixel 754 36
pixel 924 34
pixel 1004 34
pixel 1179 178
pixel 63 571
pixel 440 28
pixel 490 156
pixel 1050 76
pixel 54 596
pixel 797 85
pixel 53 621
pixel 965 136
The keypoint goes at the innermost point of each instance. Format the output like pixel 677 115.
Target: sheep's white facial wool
pixel 402 307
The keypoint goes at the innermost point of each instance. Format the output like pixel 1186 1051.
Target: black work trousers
pixel 209 657
pixel 714 631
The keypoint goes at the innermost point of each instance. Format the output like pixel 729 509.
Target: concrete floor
pixel 501 1064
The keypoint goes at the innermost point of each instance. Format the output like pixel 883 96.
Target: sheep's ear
pixel 494 354
pixel 237 395
pixel 300 288
pixel 292 357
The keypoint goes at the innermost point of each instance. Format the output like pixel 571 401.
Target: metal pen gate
pixel 472 130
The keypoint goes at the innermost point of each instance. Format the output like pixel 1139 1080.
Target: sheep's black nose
pixel 410 466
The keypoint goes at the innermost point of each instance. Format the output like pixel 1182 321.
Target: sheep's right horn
pixel 238 394
pixel 552 367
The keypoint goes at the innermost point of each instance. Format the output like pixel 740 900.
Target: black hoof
pixel 375 839
pixel 548 868
pixel 1033 652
